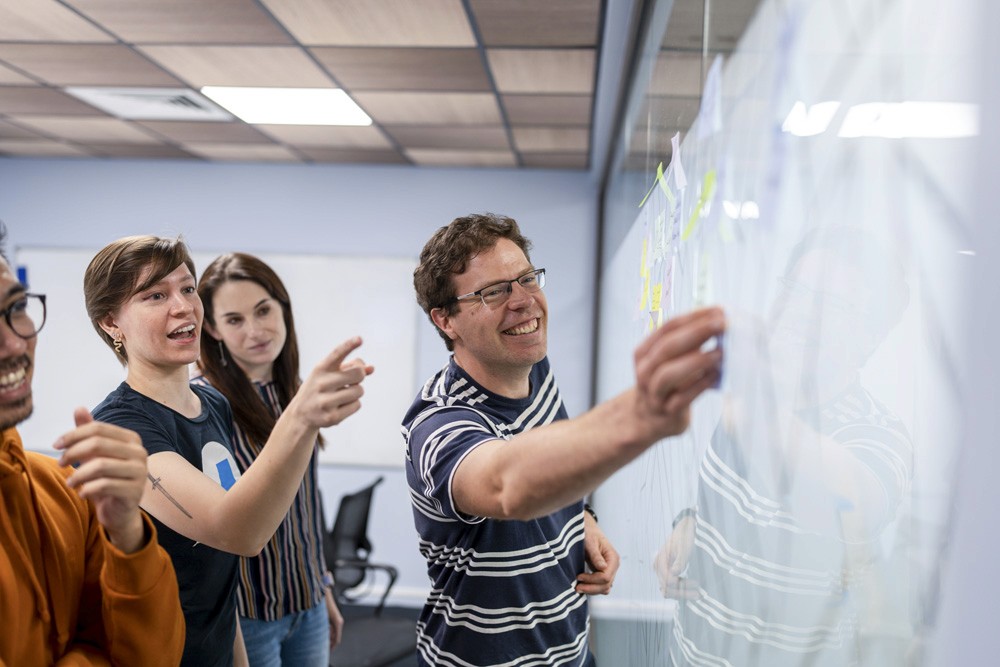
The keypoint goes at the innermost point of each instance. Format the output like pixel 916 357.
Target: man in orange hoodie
pixel 82 578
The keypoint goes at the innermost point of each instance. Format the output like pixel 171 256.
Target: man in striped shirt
pixel 497 472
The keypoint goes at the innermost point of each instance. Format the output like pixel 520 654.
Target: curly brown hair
pixel 448 252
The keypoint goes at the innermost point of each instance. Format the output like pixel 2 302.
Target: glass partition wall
pixel 805 164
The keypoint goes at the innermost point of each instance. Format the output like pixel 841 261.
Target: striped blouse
pixel 285 578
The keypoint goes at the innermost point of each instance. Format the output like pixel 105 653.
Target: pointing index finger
pixel 335 359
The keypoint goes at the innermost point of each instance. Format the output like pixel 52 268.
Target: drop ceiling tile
pixel 455 69
pixel 331 136
pixel 430 108
pixel 137 151
pixel 9 76
pixel 11 131
pixel 242 152
pixel 85 65
pixel 429 157
pixel 546 71
pixel 470 138
pixel 206 132
pixel 83 130
pixel 551 139
pixel 277 66
pixel 678 74
pixel 556 160
pixel 185 21
pixel 548 109
pixel 375 22
pixel 30 148
pixel 339 155
pixel 534 23
pixel 42 101
pixel 45 21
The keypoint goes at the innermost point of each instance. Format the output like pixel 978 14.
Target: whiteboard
pixel 333 298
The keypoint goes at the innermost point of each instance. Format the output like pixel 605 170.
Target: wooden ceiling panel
pixel 44 148
pixel 546 71
pixel 375 22
pixel 9 76
pixel 431 108
pixel 468 138
pixel 10 131
pixel 327 135
pixel 205 132
pixel 276 66
pixel 83 130
pixel 534 23
pixel 43 102
pixel 556 160
pixel 185 21
pixel 137 151
pixel 430 157
pixel 677 74
pixel 45 21
pixel 242 152
pixel 457 69
pixel 548 109
pixel 551 139
pixel 85 65
pixel 338 155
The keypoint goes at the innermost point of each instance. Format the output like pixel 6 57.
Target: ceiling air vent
pixel 151 103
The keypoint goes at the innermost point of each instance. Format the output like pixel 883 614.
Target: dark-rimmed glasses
pixel 26 316
pixel 498 293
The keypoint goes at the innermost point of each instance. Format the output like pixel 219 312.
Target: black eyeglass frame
pixel 536 273
pixel 23 298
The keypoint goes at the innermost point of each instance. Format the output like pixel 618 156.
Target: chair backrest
pixel 348 541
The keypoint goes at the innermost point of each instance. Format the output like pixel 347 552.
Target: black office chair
pixel 347 548
pixel 368 641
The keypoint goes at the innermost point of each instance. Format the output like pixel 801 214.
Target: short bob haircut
pixel 448 252
pixel 113 276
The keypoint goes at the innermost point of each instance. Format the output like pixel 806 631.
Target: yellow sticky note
pixel 707 190
pixel 645 293
pixel 657 295
pixel 643 269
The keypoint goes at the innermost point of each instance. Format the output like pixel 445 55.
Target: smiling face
pixel 251 324
pixel 160 326
pixel 17 356
pixel 497 345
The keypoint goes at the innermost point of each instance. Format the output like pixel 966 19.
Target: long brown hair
pixel 218 365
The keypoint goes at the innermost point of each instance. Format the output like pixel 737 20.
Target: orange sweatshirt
pixel 67 596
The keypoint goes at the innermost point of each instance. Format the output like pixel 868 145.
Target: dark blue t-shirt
pixel 206 576
pixel 503 592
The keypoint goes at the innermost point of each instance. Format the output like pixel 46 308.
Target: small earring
pixel 119 347
pixel 222 354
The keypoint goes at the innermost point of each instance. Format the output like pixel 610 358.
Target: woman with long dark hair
pixel 251 355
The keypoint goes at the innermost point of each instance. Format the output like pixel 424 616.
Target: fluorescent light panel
pixel 289 106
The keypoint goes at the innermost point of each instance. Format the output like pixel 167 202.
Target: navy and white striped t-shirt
pixel 503 592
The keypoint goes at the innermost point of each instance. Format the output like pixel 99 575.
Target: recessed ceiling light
pixel 289 106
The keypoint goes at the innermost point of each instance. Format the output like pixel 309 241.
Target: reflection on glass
pixel 780 561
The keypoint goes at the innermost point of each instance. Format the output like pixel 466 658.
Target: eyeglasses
pixel 26 316
pixel 498 293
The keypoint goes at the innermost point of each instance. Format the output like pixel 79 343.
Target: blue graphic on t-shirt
pixel 226 478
